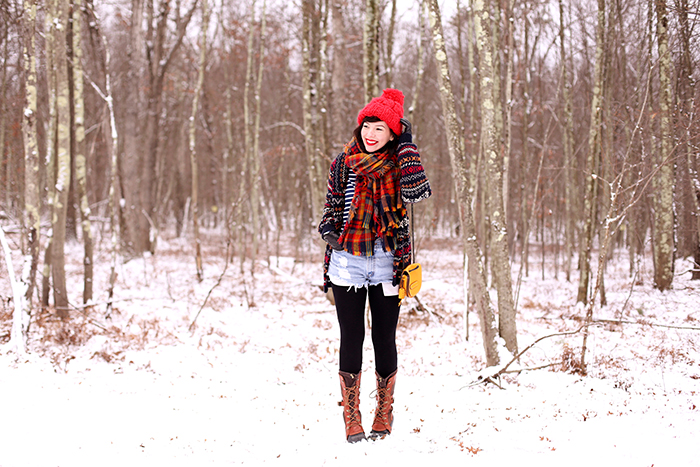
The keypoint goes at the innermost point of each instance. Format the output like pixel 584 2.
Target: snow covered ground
pixel 259 385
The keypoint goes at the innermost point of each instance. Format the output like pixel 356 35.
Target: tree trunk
pixel 389 59
pixel 687 106
pixel 63 165
pixel 193 139
pixel 568 148
pixel 51 132
pixel 134 226
pixel 420 71
pixel 592 162
pixel 226 185
pixel 493 158
pixel 321 81
pixel 315 171
pixel 456 149
pixel 32 202
pixel 4 160
pixel 142 181
pixel 663 236
pixel 338 82
pixel 370 47
pixel 79 146
pixel 255 196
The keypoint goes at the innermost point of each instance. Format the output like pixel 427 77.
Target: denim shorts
pixel 348 270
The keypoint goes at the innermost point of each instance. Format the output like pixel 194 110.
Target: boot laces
pixel 352 412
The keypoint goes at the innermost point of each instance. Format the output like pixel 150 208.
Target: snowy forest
pixel 163 170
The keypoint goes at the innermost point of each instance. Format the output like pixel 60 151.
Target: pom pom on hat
pixel 388 108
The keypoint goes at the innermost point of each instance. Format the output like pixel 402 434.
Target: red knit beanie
pixel 388 108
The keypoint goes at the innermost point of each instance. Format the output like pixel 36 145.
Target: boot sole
pixel 375 435
pixel 356 438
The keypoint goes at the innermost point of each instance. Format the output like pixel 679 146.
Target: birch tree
pixel 663 236
pixel 455 142
pixel 493 159
pixel 51 132
pixel 593 160
pixel 255 185
pixel 370 47
pixel 32 202
pixel 79 156
pixel 193 138
pixel 389 59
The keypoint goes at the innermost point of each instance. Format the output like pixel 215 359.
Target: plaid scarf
pixel 376 209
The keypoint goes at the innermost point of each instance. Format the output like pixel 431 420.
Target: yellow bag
pixel 411 280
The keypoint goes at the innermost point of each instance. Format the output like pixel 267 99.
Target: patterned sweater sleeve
pixel 332 218
pixel 415 186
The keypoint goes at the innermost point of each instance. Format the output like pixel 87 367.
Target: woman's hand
pixel 331 237
pixel 406 125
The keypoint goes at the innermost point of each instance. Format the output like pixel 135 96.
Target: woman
pixel 366 227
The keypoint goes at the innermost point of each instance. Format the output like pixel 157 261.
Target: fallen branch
pixel 655 325
pixel 218 282
pixel 638 323
pixel 493 378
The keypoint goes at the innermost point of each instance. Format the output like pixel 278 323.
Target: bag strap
pixel 412 239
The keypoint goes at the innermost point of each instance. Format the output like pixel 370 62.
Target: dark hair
pixel 390 146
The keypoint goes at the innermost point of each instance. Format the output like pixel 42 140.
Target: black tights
pixel 350 305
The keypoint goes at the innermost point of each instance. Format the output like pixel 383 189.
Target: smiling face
pixel 375 135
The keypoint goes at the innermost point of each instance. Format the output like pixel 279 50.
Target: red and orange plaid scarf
pixel 376 208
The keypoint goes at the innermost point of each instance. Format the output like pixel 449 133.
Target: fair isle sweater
pixel 414 187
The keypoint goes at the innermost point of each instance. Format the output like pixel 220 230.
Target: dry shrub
pixel 609 362
pixel 570 362
pixel 6 311
pixel 68 332
pixel 674 355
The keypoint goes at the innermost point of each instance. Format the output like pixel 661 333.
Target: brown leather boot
pixel 384 416
pixel 350 387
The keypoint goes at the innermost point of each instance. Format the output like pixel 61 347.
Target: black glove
pixel 406 126
pixel 331 237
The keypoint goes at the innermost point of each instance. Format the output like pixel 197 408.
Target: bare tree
pixel 663 236
pixel 193 138
pixel 51 148
pixel 567 145
pixel 315 171
pixel 593 159
pixel 370 46
pixel 152 57
pixel 32 201
pixel 389 58
pixel 256 192
pixel 686 102
pixel 491 128
pixel 79 147
pixel 63 165
pixel 338 81
pixel 456 149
